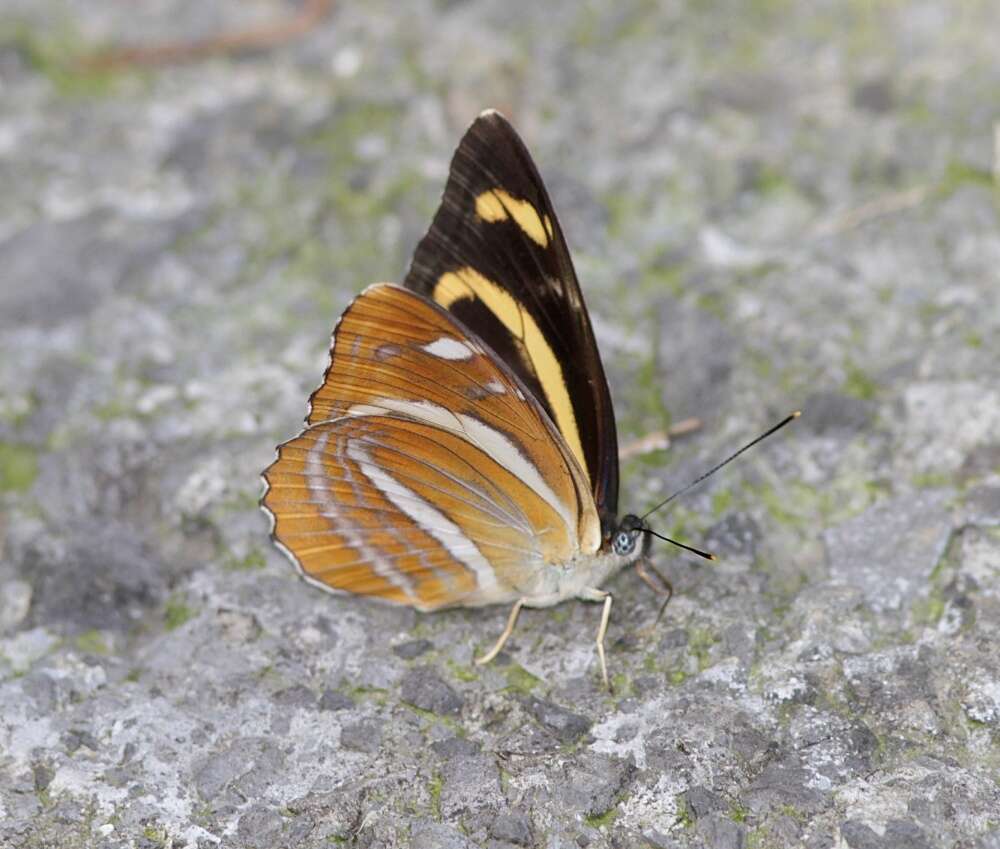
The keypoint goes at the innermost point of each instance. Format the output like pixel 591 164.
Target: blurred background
pixel 771 205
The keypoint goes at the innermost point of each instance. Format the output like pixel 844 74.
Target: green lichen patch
pixel 930 480
pixel 379 696
pixel 768 180
pixel 92 642
pixel 973 339
pixel 18 467
pixel 60 54
pixel 603 820
pixel 658 280
pixel 647 410
pixel 800 506
pixel 685 816
pixel 699 645
pixel 927 610
pixel 176 614
pixel 519 680
pixel 959 174
pixel 434 788
pixel 858 383
pixel 738 812
pixel 677 677
pixel 112 409
pixel 621 685
pixel 722 500
pixel 253 559
pixel 157 835
pixel 463 672
pixel 622 209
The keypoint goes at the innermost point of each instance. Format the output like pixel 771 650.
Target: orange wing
pixel 429 475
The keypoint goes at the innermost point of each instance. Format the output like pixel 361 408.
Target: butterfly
pixel 461 450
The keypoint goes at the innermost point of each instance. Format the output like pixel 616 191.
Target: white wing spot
pixel 447 348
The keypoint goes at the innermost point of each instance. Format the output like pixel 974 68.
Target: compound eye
pixel 623 543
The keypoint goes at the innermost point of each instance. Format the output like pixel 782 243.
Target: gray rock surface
pixel 771 205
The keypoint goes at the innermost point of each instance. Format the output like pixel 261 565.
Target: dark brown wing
pixel 496 258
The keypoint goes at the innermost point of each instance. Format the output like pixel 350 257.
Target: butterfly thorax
pixel 623 545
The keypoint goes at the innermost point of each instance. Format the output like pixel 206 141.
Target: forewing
pixel 495 257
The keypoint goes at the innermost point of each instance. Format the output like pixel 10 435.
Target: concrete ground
pixel 772 205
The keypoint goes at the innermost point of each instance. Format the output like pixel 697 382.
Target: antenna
pixel 697 551
pixel 789 418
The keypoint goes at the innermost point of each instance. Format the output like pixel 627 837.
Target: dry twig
pixel 264 37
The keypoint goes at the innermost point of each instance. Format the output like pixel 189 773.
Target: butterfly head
pixel 630 538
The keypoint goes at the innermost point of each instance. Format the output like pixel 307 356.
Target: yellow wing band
pixel 469 283
pixel 497 205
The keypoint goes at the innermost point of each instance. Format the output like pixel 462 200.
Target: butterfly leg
pixel 507 631
pixel 657 583
pixel 592 594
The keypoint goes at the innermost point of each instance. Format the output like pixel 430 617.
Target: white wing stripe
pixel 491 441
pixel 427 517
pixel 317 479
